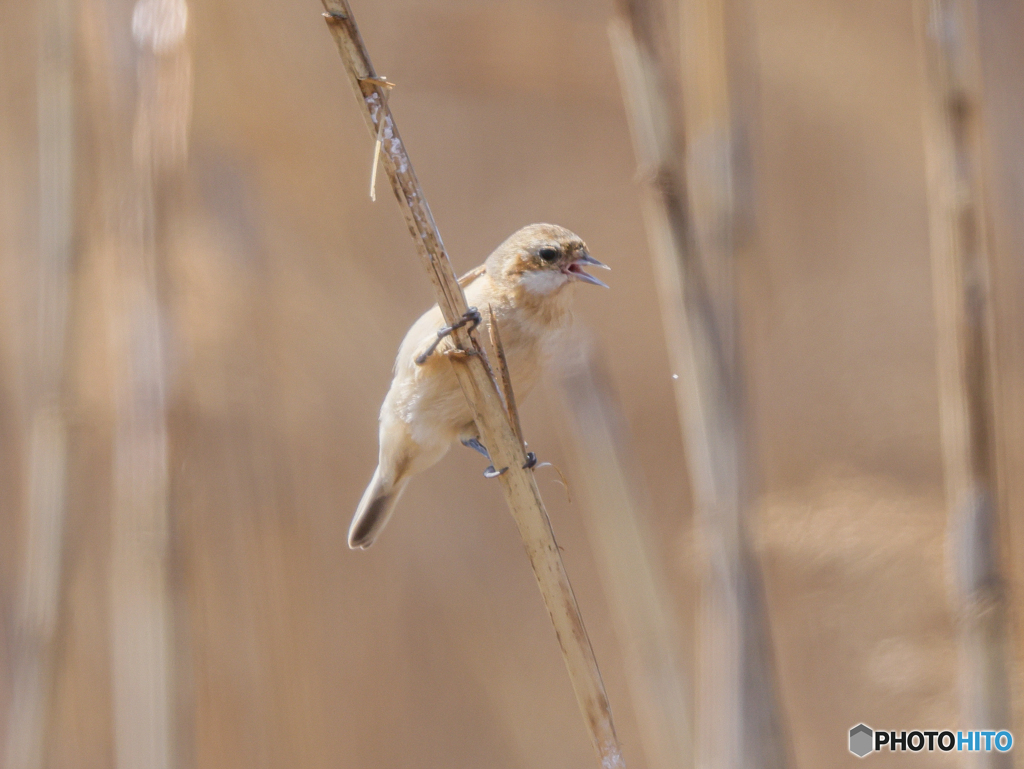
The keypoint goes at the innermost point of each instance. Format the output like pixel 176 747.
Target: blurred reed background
pixel 201 306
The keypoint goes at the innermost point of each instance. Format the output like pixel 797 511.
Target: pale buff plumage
pixel 525 282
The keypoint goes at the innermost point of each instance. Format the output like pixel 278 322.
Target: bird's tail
pixel 374 509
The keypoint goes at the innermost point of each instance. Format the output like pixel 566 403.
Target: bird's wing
pixel 472 275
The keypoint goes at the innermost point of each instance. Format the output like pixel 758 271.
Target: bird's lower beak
pixel 575 270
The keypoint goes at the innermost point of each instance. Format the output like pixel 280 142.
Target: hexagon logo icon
pixel 861 739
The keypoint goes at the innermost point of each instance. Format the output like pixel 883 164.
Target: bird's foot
pixel 470 317
pixel 456 354
pixel 531 461
pixel 476 445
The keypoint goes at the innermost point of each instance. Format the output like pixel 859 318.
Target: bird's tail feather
pixel 374 509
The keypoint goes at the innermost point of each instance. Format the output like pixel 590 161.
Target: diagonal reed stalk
pixel 482 392
pixel 617 517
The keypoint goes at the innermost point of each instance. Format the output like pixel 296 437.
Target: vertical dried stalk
pixel 737 714
pixel 637 589
pixel 1000 30
pixel 482 392
pixel 140 128
pixel 960 271
pixel 39 597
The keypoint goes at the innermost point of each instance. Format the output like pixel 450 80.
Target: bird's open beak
pixel 575 270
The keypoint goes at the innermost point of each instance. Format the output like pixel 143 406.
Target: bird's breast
pixel 529 340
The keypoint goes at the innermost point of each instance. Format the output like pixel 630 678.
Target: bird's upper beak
pixel 575 269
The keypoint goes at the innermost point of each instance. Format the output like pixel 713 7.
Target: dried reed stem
pixel 504 378
pixel 616 515
pixel 692 225
pixel 141 139
pixel 36 613
pixel 482 392
pixel 960 270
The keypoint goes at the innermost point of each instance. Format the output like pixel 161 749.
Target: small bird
pixel 523 282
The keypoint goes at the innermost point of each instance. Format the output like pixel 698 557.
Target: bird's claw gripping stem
pixel 470 317
pixel 531 462
pixel 476 445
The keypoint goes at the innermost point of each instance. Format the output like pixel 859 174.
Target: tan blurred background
pixel 282 293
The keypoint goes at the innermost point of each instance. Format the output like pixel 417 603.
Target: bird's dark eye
pixel 548 254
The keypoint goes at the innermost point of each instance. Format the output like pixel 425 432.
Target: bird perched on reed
pixel 524 284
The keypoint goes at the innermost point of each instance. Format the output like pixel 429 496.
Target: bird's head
pixel 541 259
